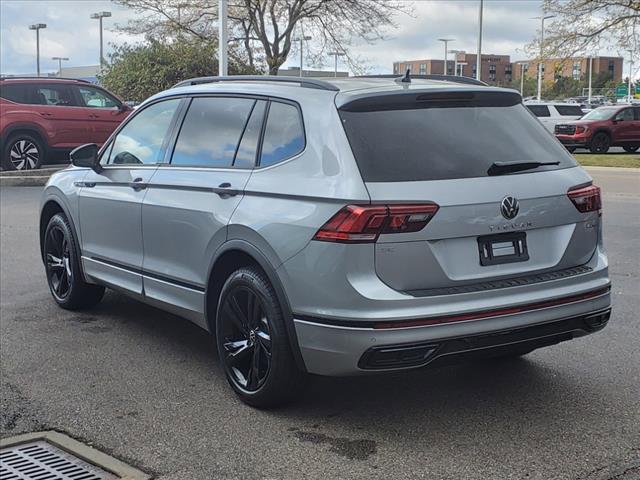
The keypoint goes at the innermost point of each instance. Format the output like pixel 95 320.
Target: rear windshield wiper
pixel 500 168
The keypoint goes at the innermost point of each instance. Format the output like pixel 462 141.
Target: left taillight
pixel 364 223
pixel 586 199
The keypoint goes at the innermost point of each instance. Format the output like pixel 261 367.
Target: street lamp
pixel 37 27
pixel 223 58
pixel 455 60
pixel 630 73
pixel 336 54
pixel 522 65
pixel 541 61
pixel 479 56
pixel 446 43
pixel 60 60
pixel 100 16
pixel 301 40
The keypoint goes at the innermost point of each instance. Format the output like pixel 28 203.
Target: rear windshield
pixel 446 139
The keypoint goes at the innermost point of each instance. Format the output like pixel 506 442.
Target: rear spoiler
pixel 413 99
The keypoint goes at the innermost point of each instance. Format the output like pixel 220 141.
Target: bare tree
pixel 264 30
pixel 582 26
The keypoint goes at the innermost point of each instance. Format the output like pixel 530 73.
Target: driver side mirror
pixel 86 156
pixel 123 107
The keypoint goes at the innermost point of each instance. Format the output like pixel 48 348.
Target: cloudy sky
pixel 70 33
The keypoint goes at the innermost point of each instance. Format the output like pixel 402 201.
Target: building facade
pixel 576 68
pixel 495 69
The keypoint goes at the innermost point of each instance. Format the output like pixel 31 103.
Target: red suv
pixel 604 127
pixel 40 116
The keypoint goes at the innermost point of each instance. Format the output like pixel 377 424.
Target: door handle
pixel 137 184
pixel 226 194
pixel 46 114
pixel 224 185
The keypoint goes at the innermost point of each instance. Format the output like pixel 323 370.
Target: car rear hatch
pixel 489 188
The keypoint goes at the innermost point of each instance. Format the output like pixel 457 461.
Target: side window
pixel 94 98
pixel 625 115
pixel 636 113
pixel 539 110
pixel 283 135
pixel 246 154
pixel 569 110
pixel 14 93
pixel 55 95
pixel 211 131
pixel 140 140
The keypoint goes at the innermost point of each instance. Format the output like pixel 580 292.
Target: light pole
pixel 630 73
pixel 522 64
pixel 37 27
pixel 336 54
pixel 301 39
pixel 446 43
pixel 479 56
pixel 590 76
pixel 223 9
pixel 455 60
pixel 60 60
pixel 541 61
pixel 461 65
pixel 100 16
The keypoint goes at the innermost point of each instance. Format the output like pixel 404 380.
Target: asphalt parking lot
pixel 146 387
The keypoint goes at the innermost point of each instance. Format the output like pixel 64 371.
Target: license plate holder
pixel 503 248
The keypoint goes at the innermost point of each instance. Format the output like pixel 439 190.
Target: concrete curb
pixel 80 450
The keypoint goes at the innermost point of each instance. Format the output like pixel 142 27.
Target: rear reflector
pixel 586 199
pixel 364 223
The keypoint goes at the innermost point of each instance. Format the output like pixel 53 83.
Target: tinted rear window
pixel 14 93
pixel 447 142
pixel 572 110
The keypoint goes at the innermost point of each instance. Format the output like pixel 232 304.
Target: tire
pixel 571 149
pixel 631 149
pixel 23 151
pixel 252 342
pixel 600 143
pixel 62 265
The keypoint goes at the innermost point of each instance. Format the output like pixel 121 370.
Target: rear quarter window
pixel 283 135
pixel 569 110
pixel 539 110
pixel 14 93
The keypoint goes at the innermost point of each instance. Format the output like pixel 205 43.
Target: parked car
pixel 551 114
pixel 602 128
pixel 334 227
pixel 42 116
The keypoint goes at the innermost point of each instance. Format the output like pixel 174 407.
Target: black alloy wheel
pixel 600 143
pixel 247 338
pixel 58 262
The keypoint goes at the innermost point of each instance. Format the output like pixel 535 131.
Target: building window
pixel 611 67
pixel 508 69
pixel 577 70
pixel 395 68
pixel 423 69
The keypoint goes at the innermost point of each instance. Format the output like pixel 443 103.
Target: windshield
pixel 447 142
pixel 600 114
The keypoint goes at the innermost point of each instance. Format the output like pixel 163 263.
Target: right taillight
pixel 586 199
pixel 364 223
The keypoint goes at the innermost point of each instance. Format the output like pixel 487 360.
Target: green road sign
pixel 622 90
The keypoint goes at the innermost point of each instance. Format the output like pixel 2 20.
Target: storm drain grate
pixel 39 460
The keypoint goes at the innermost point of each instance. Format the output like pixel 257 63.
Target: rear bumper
pixel 330 349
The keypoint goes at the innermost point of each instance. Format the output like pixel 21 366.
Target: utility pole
pixel 99 16
pixel 37 27
pixel 60 59
pixel 479 56
pixel 522 79
pixel 301 39
pixel 446 43
pixel 541 61
pixel 590 76
pixel 336 53
pixel 223 68
pixel 630 73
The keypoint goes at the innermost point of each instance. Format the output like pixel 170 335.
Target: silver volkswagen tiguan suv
pixel 334 227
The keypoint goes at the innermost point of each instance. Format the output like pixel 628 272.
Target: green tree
pixel 139 71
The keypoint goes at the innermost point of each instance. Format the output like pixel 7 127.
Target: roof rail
pixel 304 82
pixel 26 77
pixel 445 78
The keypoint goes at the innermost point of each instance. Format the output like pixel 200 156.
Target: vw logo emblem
pixel 509 207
